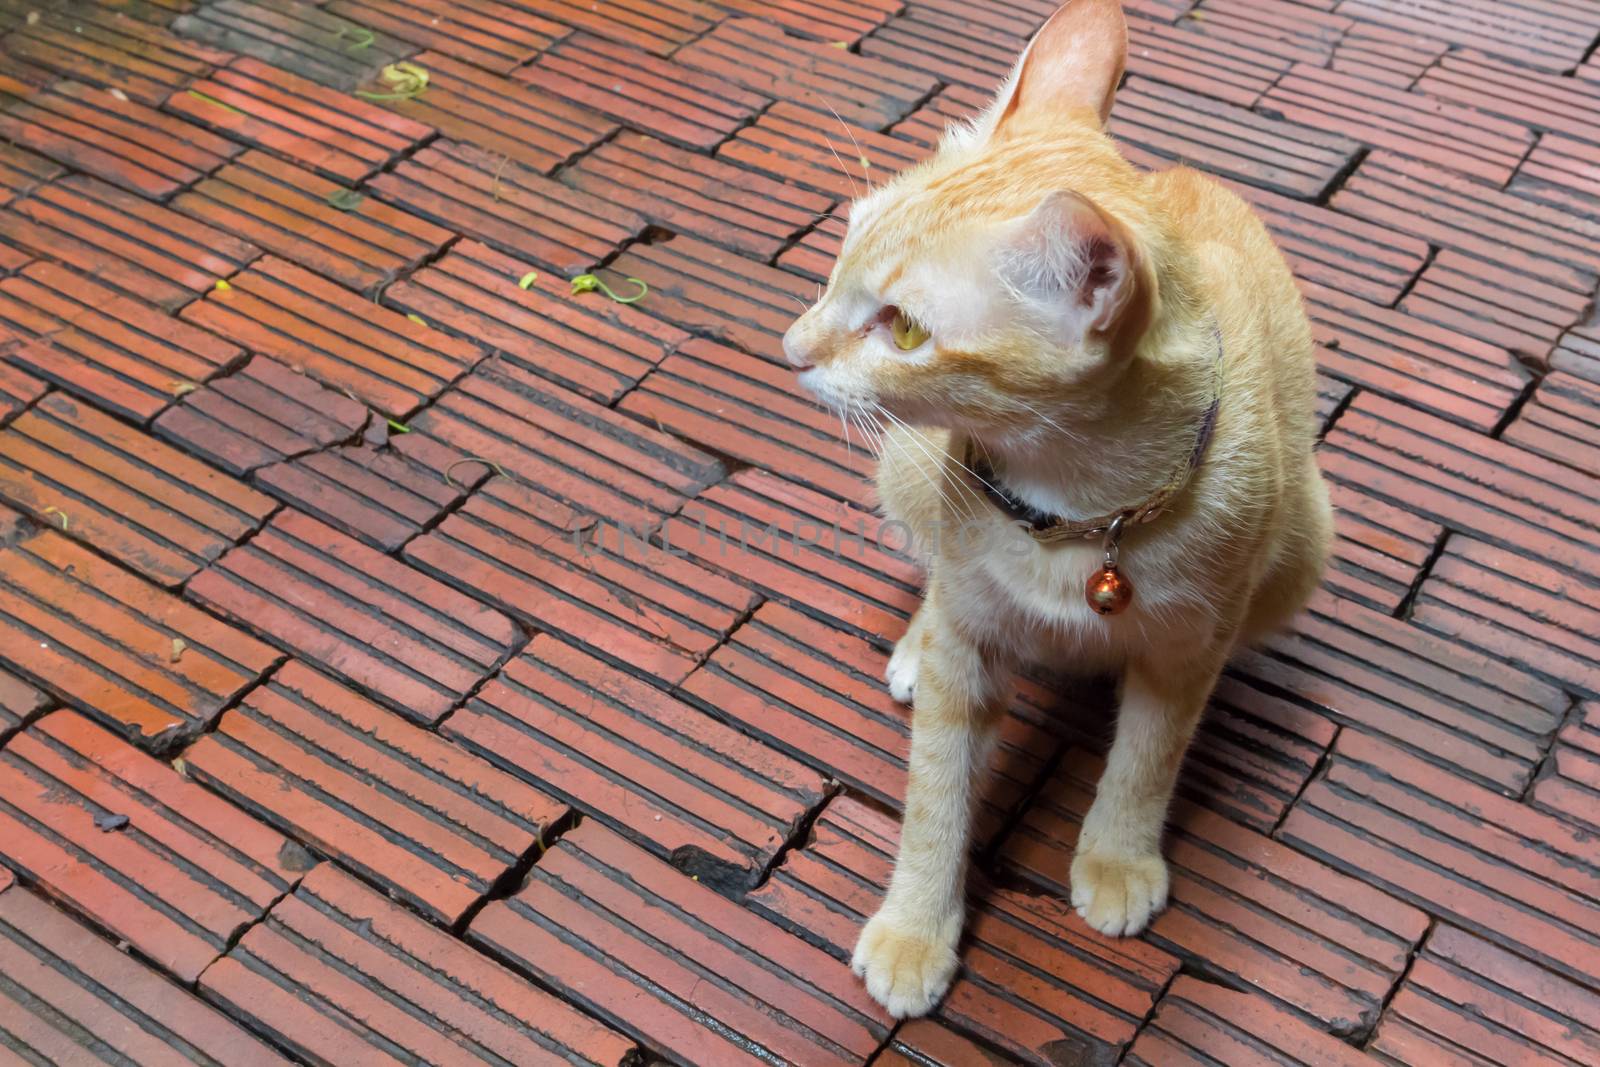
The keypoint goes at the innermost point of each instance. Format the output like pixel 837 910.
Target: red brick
pixel 838 22
pixel 1379 550
pixel 104 641
pixel 568 449
pixel 1372 262
pixel 1562 172
pixel 945 40
pixel 657 26
pixel 1289 157
pixel 491 34
pixel 1384 55
pixel 411 642
pixel 505 205
pixel 1332 395
pixel 1542 101
pixel 388 361
pixel 1560 421
pixel 262 414
pixel 1484 223
pixel 21 172
pixel 143 249
pixel 1257 747
pixel 680 967
pixel 287 211
pixel 1515 607
pixel 1487 488
pixel 812 256
pixel 1036 981
pixel 716 804
pixel 819 695
pixel 1287 32
pixel 926 1043
pixel 623 598
pixel 185 874
pixel 813 149
pixel 19 704
pixel 71 997
pixel 953 103
pixel 1514 876
pixel 1579 354
pixel 1437 697
pixel 429 823
pixel 1244 909
pixel 687 193
pixel 338 974
pixel 1410 359
pixel 96 46
pixel 557 541
pixel 17 389
pixel 1541 34
pixel 868 92
pixel 127 143
pixel 1235 66
pixel 383 494
pixel 662 97
pixel 1496 303
pixel 827 558
pixel 1447 135
pixel 754 411
pixel 121 353
pixel 598 348
pixel 499 115
pixel 1470 1001
pixel 297 38
pixel 1570 781
pixel 139 501
pixel 1198 1023
pixel 713 293
pixel 340 137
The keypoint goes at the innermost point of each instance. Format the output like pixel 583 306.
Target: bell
pixel 1109 592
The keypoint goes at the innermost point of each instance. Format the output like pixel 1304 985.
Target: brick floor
pixel 407 658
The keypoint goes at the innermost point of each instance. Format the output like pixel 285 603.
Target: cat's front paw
pixel 907 967
pixel 1118 895
pixel 904 664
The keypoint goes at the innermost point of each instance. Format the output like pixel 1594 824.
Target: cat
pixel 1049 340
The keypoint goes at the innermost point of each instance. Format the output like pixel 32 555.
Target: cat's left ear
pixel 1072 65
pixel 1079 265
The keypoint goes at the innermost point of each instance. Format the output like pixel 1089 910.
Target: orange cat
pixel 1096 393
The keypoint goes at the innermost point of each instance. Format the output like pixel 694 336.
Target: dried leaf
pixel 178 388
pixel 178 645
pixel 118 94
pixel 345 199
pixel 418 319
pixel 527 279
pixel 222 286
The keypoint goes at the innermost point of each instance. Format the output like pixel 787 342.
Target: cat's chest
pixel 1017 589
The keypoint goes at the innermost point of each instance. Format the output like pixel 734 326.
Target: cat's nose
pixel 795 352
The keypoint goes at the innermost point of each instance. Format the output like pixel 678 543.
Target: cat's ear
pixel 1073 64
pixel 1082 267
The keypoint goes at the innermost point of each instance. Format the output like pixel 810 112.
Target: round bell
pixel 1109 592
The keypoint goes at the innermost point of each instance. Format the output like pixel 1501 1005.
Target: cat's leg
pixel 906 660
pixel 907 952
pixel 1119 880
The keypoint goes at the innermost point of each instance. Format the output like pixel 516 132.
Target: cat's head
pixel 980 288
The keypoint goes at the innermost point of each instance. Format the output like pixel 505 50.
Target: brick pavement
pixel 370 690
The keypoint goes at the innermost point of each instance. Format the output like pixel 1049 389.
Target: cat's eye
pixel 907 332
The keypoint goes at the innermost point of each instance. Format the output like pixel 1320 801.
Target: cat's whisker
pixel 862 156
pixel 855 194
pixel 935 468
pixel 928 449
pixel 803 305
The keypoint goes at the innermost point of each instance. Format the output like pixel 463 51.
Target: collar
pixel 1051 529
